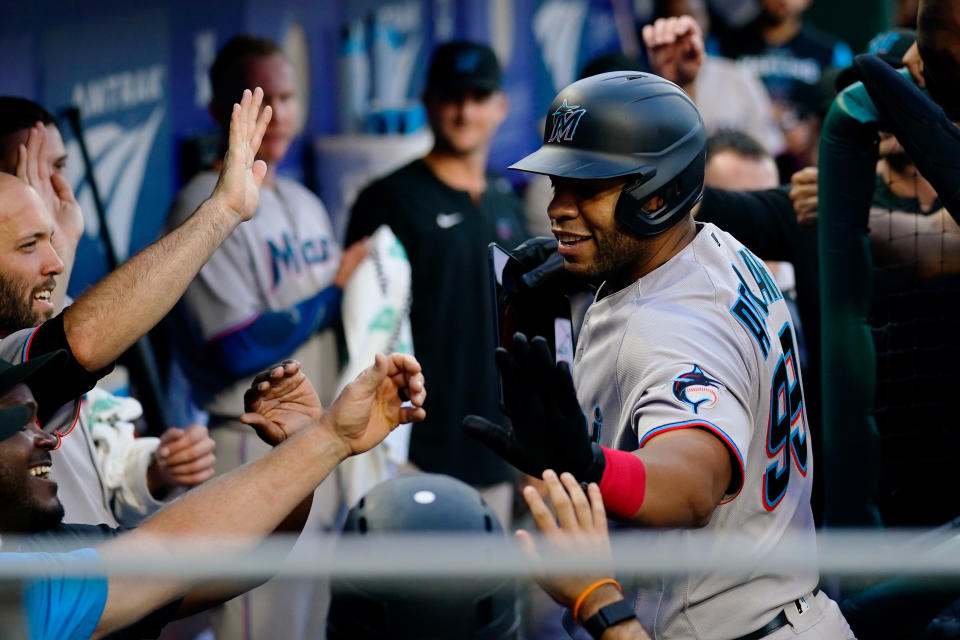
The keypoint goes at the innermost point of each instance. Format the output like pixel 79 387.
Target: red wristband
pixel 623 484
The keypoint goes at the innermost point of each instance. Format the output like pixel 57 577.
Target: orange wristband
pixel 586 592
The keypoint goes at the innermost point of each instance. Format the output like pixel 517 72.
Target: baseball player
pixel 106 475
pixel 687 404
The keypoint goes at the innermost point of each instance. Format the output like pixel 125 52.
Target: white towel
pixel 376 319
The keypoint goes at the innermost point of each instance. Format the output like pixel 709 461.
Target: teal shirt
pixel 62 607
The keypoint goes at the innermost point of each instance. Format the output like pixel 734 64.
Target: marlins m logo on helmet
pixel 565 121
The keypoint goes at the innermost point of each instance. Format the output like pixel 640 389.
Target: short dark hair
pixel 19 113
pixel 226 72
pixel 736 142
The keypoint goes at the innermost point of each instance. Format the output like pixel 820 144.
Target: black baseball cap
pixel 40 370
pixel 889 46
pixel 463 66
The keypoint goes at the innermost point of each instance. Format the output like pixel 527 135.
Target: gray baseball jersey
pixel 284 255
pixel 705 341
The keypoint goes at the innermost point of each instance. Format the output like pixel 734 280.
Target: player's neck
pixel 460 171
pixel 656 251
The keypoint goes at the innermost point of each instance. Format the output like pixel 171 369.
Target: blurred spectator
pixel 739 162
pixel 445 208
pixel 728 95
pixel 900 186
pixel 789 56
pixel 267 294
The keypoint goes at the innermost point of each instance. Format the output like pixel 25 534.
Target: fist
pixel 184 458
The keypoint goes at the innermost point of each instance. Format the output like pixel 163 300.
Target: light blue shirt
pixel 60 607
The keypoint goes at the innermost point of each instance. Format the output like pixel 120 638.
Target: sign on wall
pixel 123 102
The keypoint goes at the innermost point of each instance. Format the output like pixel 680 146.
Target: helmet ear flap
pixel 679 195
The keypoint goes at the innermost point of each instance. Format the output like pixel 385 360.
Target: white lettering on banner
pixel 121 161
pixel 119 91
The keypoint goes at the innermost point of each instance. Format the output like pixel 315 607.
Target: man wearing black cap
pixel 445 208
pixel 230 509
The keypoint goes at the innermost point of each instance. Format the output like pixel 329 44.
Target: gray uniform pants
pixel 822 620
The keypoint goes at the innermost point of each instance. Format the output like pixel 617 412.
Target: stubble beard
pixel 616 253
pixel 16 306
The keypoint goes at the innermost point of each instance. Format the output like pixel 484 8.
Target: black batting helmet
pixel 630 124
pixel 475 609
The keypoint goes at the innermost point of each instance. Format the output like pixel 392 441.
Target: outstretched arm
pixel 114 313
pixel 281 400
pixel 676 480
pixel 236 510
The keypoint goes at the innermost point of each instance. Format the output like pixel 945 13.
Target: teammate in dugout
pixel 143 472
pixel 686 364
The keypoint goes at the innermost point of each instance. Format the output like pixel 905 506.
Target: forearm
pixel 233 511
pixel 274 335
pixel 215 592
pixel 764 221
pixel 114 313
pixel 685 475
pixel 254 499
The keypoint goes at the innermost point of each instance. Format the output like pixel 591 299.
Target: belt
pixel 777 623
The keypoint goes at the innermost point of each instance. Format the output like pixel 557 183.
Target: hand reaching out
pixel 238 188
pixel 580 526
pixel 184 458
pixel 280 402
pixel 675 49
pixel 370 407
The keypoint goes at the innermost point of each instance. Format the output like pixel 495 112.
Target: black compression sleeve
pixel 74 380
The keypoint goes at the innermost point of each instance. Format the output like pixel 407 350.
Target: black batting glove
pixel 549 431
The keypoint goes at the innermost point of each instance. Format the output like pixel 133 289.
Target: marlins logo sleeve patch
pixel 696 389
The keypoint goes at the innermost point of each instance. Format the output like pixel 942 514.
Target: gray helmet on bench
pixel 468 608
